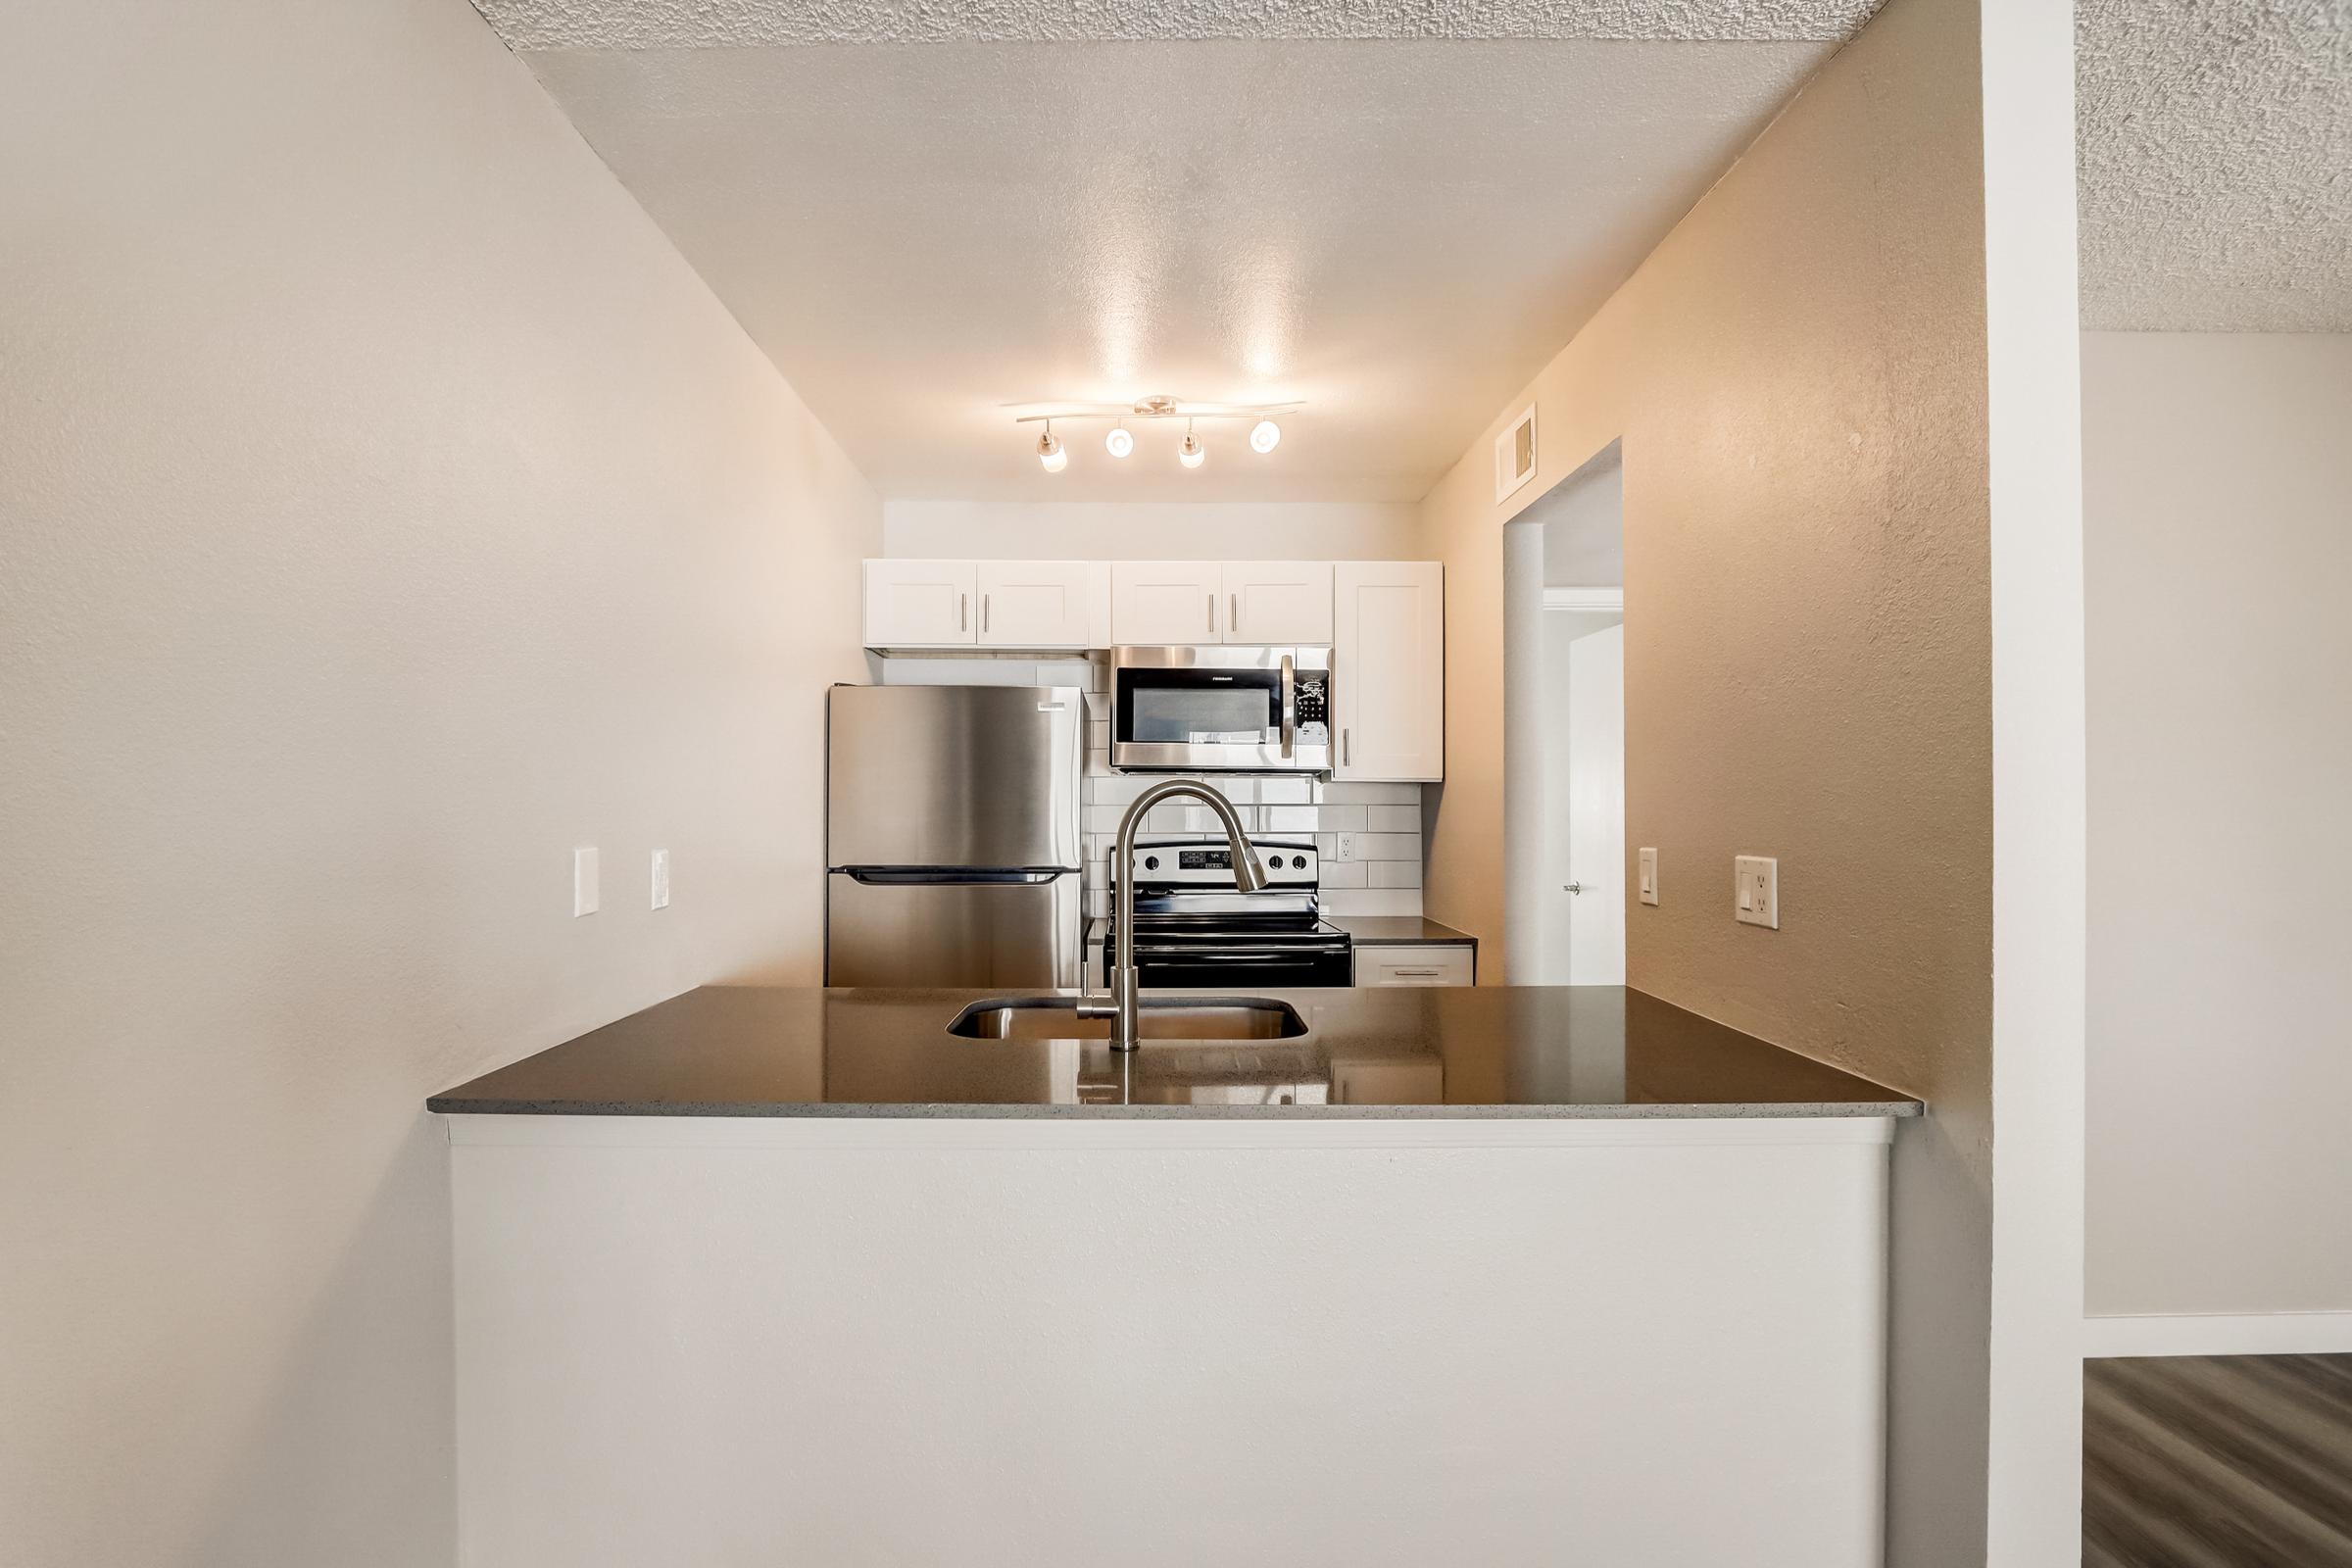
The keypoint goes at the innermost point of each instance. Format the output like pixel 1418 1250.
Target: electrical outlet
pixel 661 880
pixel 1649 876
pixel 1344 850
pixel 585 893
pixel 1756 890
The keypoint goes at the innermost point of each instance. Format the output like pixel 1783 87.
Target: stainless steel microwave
pixel 1231 709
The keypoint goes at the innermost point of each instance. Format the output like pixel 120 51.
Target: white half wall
pixel 2219 540
pixel 385 508
pixel 718 1340
pixel 1112 530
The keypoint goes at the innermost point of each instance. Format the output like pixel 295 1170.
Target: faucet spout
pixel 1249 875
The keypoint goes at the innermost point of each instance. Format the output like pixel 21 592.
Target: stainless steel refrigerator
pixel 952 836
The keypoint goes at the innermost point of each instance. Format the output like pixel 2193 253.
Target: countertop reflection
pixel 1523 1050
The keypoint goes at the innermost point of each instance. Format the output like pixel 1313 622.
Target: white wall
pixel 2218 554
pixel 384 508
pixel 1082 530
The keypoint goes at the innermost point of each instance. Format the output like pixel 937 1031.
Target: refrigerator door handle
pixel 901 876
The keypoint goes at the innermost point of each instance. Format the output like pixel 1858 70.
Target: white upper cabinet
pixel 1158 602
pixel 1041 604
pixel 919 603
pixel 1277 602
pixel 1388 670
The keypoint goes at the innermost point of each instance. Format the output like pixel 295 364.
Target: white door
pixel 1157 601
pixel 1278 602
pixel 919 604
pixel 1388 670
pixel 1597 809
pixel 1033 604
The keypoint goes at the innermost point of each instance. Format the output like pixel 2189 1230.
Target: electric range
pixel 1194 929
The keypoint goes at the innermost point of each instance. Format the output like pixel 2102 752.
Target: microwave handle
pixel 1289 708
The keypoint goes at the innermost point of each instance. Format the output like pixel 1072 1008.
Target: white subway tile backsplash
pixel 1102 818
pixel 1342 793
pixel 1336 875
pixel 1388 847
pixel 1340 818
pixel 1395 873
pixel 1391 818
pixel 1097 734
pixel 1285 791
pixel 1289 819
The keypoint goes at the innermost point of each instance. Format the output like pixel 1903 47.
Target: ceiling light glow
pixel 1264 435
pixel 1119 442
pixel 1052 454
pixel 1192 454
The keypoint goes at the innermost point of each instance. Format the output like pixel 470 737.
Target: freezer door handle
pixel 901 876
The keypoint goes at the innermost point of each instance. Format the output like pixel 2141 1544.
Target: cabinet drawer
pixel 1447 965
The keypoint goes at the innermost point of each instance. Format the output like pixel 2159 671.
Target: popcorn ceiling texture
pixel 2216 163
pixel 719 23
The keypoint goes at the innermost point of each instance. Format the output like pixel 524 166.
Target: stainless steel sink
pixel 1158 1018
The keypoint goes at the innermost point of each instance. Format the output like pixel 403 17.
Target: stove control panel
pixel 1191 863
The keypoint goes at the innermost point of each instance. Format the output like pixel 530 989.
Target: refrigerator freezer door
pixel 882 930
pixel 956 776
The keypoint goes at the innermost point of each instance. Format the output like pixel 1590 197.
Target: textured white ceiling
pixel 2215 161
pixel 1399 233
pixel 717 24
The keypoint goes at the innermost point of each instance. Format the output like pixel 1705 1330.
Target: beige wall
pixel 384 508
pixel 1110 530
pixel 1798 375
pixel 2216 473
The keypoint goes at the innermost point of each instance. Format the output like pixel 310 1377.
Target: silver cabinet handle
pixel 1415 975
pixel 963 611
pixel 1573 887
pixel 1212 614
pixel 1233 614
pixel 984 614
pixel 1347 748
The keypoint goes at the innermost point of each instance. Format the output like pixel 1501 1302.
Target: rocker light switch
pixel 1756 890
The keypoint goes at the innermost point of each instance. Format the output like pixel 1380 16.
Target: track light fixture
pixel 1192 454
pixel 1120 441
pixel 1052 454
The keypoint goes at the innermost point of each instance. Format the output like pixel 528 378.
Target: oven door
pixel 1168 967
pixel 1214 709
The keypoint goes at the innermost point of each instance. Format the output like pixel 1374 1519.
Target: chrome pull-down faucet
pixel 1249 875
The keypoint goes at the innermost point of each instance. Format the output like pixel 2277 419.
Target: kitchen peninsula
pixel 1411 1275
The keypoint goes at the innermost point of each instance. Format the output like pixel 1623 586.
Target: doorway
pixel 1564 732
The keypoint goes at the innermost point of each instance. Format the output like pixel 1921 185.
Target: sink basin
pixel 1158 1018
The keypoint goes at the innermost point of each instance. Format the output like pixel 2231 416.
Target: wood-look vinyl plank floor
pixel 2240 1461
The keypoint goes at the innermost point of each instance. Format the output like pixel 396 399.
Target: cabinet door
pixel 1388 670
pixel 1166 602
pixel 1033 604
pixel 919 604
pixel 1278 602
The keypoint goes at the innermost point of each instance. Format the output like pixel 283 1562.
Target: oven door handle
pixel 1200 959
pixel 1290 709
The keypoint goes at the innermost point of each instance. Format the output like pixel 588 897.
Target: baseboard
pixel 2219 1333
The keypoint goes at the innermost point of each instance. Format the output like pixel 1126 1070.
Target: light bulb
pixel 1264 435
pixel 1119 442
pixel 1052 454
pixel 1192 454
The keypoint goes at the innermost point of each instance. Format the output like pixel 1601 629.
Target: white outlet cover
pixel 1344 850
pixel 1756 890
pixel 1648 883
pixel 661 880
pixel 585 893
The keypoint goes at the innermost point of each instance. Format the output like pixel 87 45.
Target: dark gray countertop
pixel 1527 1050
pixel 1400 930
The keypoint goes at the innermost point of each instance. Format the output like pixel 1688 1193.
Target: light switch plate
pixel 661 880
pixel 585 895
pixel 1756 890
pixel 1649 876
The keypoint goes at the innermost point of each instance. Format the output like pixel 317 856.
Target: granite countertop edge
pixel 1013 1110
